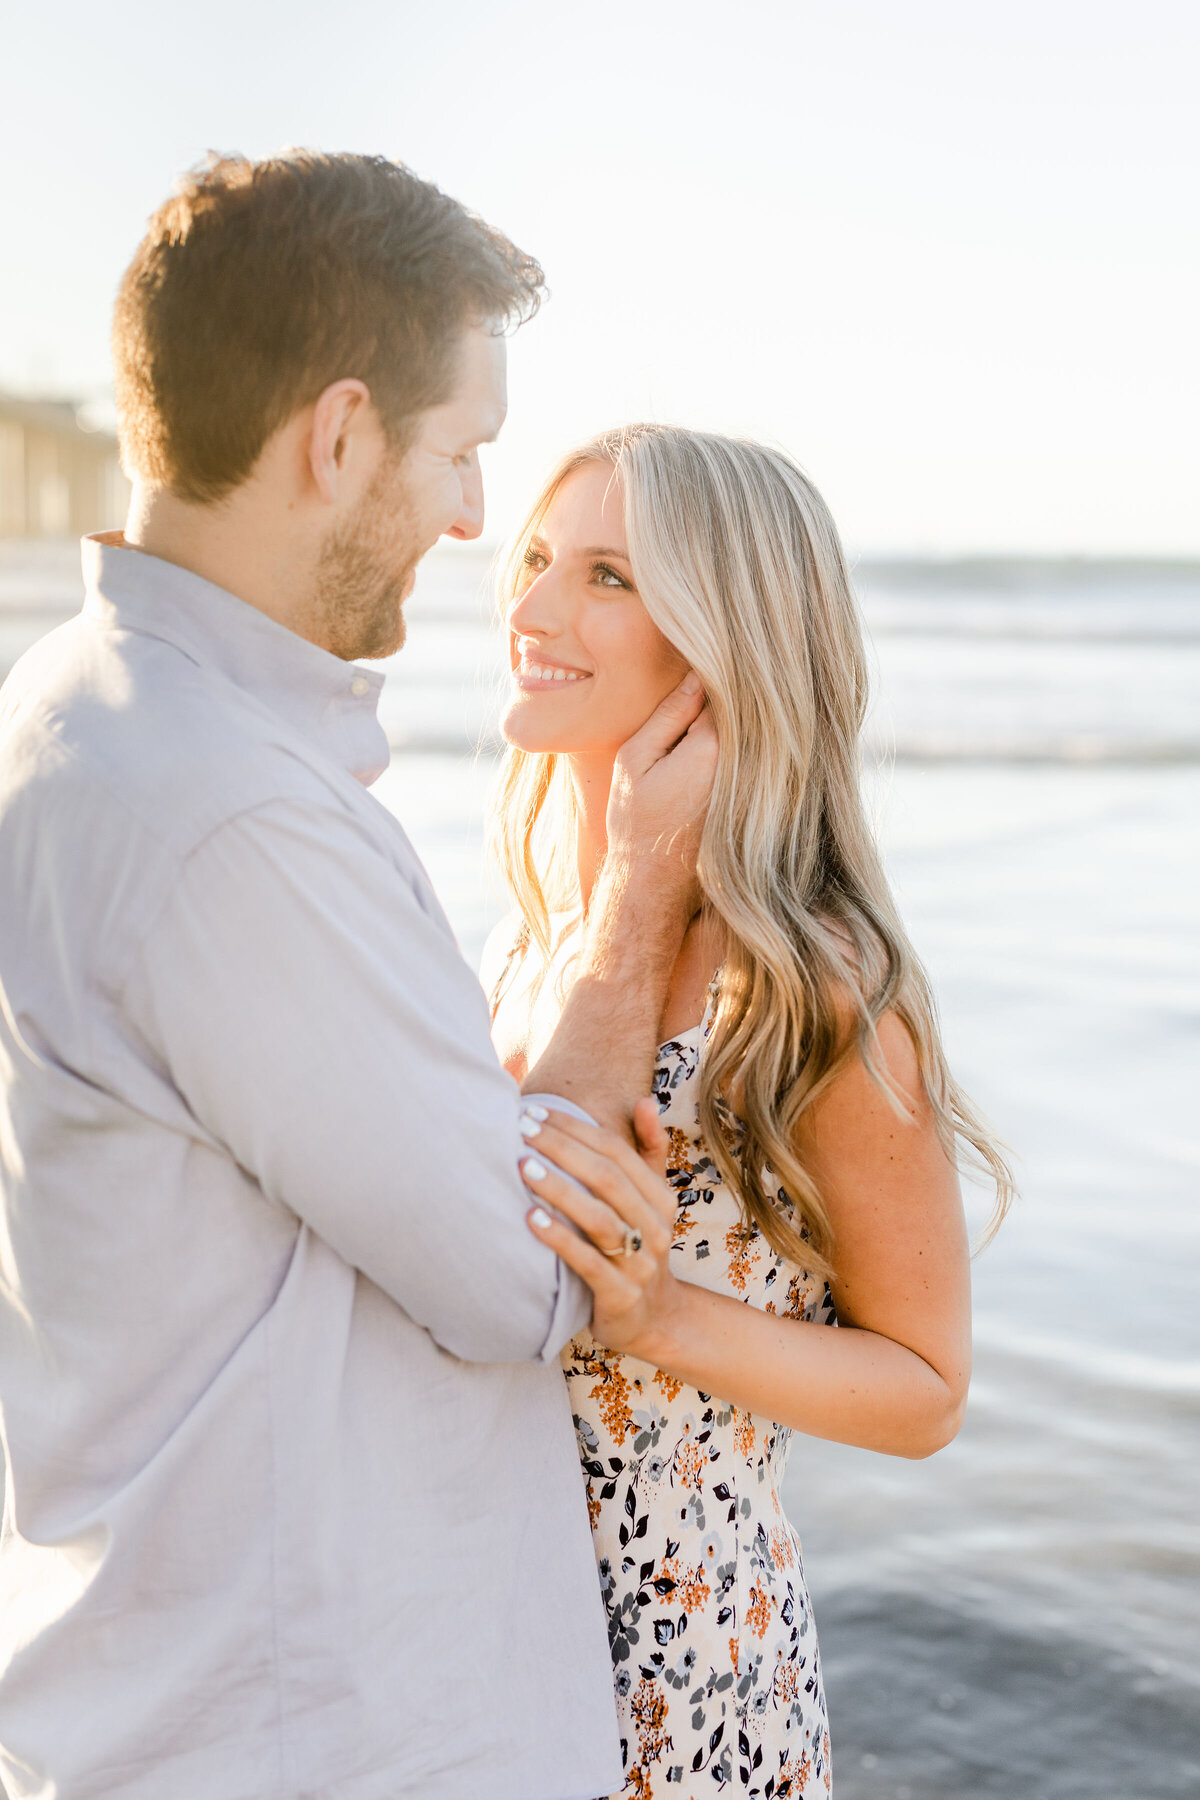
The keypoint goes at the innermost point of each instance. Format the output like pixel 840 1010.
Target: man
pixel 293 1505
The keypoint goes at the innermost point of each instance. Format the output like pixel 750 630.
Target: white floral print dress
pixel 718 1680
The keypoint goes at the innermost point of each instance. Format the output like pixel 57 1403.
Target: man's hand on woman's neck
pixel 640 901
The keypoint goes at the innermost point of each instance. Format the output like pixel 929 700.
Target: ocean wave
pixel 1077 749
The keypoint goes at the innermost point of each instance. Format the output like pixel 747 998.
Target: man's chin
pixel 391 627
pixel 360 604
pixel 383 642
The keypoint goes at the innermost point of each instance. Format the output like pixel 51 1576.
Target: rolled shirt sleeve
pixel 313 1010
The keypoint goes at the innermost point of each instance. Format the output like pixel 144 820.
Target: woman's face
pixel 588 665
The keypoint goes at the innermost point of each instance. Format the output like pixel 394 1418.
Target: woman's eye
pixel 606 577
pixel 533 559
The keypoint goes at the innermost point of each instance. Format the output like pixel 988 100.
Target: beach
pixel 1019 1616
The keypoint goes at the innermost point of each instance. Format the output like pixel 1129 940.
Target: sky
pixel 944 252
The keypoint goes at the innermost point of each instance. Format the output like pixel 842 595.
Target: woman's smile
pixel 534 669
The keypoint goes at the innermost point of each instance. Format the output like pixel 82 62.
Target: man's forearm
pixel 602 1053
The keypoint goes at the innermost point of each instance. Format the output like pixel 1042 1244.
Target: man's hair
pixel 258 284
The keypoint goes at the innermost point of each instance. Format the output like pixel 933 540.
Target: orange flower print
pixel 685 1218
pixel 743 1434
pixel 787 1681
pixel 678 1145
pixel 740 1241
pixel 781 1549
pixel 690 1460
pixel 671 1387
pixel 799 1295
pixel 649 1710
pixel 758 1613
pixel 691 1590
pixel 793 1778
pixel 611 1394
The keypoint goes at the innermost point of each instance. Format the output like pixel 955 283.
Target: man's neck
pixel 233 542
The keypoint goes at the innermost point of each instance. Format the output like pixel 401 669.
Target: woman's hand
pixel 629 1203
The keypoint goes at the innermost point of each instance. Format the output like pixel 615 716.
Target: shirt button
pixel 359 686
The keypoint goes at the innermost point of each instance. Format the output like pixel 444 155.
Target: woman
pixel 811 1123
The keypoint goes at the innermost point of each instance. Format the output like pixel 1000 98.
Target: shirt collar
pixel 334 703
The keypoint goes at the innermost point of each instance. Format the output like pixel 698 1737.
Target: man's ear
pixel 344 438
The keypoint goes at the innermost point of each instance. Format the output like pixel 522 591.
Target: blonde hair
pixel 738 563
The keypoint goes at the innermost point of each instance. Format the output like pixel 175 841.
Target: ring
pixel 631 1243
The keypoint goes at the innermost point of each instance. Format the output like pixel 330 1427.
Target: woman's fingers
pixel 631 1294
pixel 615 1175
pixel 606 1225
pixel 651 1136
pixel 604 1231
pixel 605 1275
pixel 598 1221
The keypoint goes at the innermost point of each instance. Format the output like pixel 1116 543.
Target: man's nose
pixel 469 522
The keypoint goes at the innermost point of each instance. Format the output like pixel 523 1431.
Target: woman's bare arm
pixel 893 1376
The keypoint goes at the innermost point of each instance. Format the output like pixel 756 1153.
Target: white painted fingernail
pixel 536 1112
pixel 533 1170
pixel 528 1126
pixel 540 1218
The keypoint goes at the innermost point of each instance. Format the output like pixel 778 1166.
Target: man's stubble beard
pixel 364 572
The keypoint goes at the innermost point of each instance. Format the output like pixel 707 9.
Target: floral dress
pixel 718 1681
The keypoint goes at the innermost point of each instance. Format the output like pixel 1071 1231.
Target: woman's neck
pixel 591 779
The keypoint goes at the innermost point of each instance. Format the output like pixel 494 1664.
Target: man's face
pixel 435 489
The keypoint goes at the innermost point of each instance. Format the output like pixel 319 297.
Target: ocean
pixel 1019 1616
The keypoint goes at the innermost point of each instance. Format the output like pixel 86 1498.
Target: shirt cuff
pixel 572 1309
pixel 558 1104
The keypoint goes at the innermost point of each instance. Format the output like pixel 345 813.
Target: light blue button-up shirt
pixel 292 1505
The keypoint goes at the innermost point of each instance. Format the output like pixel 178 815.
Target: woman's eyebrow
pixel 537 542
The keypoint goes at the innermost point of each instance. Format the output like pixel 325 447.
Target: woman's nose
pixel 534 613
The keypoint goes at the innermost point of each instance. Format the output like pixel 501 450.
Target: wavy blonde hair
pixel 738 563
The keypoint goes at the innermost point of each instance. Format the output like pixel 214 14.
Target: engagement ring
pixel 631 1243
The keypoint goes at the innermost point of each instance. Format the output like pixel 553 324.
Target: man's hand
pixel 662 780
pixel 602 1053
